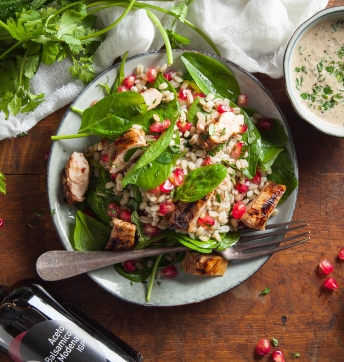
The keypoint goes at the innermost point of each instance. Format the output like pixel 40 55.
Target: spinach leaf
pixel 114 114
pixel 156 149
pixel 98 206
pixel 283 173
pixel 228 240
pixel 139 275
pixel 211 76
pixel 120 75
pixel 194 109
pixel 200 182
pixel 89 234
pixel 135 219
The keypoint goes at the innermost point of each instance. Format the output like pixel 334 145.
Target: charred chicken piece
pixel 204 264
pixel 122 235
pixel 260 208
pixel 76 176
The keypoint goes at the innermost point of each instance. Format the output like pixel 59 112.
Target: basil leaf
pixel 200 182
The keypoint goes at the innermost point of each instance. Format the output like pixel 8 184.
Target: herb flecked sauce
pixel 318 65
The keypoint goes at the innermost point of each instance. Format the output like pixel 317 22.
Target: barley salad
pixel 173 163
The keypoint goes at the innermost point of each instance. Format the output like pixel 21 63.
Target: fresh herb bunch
pixel 31 34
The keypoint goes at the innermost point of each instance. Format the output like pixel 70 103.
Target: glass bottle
pixel 37 324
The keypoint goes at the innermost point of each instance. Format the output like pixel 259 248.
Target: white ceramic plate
pixel 185 288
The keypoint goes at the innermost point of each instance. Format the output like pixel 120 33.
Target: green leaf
pixel 31 65
pixel 15 104
pixel 70 19
pixel 228 240
pixel 274 341
pixel 199 182
pixel 50 50
pixel 120 74
pixel 2 183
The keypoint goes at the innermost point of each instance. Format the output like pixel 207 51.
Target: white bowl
pixel 186 288
pixel 321 122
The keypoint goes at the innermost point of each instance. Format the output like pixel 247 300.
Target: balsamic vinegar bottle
pixel 37 324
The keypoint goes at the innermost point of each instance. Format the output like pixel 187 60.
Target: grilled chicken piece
pixel 76 177
pixel 219 131
pixel 204 264
pixel 186 214
pixel 117 150
pixel 122 235
pixel 152 97
pixel 260 208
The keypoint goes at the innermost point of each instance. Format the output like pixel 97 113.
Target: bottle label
pixel 55 341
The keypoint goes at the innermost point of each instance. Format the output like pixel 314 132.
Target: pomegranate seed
pixel 46 155
pixel 206 221
pixel 151 74
pixel 242 100
pixel 236 150
pixel 184 126
pixel 239 210
pixel 129 81
pixel 165 124
pixel 88 212
pixel 243 188
pixel 105 157
pixel 166 187
pixel 1 223
pixel 113 176
pixel 243 128
pixel 113 210
pixel 129 266
pixel 151 230
pixel 177 177
pixel 257 178
pixel 341 254
pixel 155 191
pixel 277 356
pixel 330 283
pixel 168 75
pixel 202 95
pixel 206 161
pixel 166 208
pixel 222 108
pixel 122 88
pixel 325 266
pixel 169 272
pixel 182 94
pixel 263 347
pixel 156 127
pixel 266 124
pixel 125 215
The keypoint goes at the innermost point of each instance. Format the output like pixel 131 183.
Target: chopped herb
pixel 52 212
pixel 131 283
pixel 274 342
pixel 297 70
pixel 218 197
pixel 265 291
pixel 223 132
pixel 23 134
pixel 296 354
pixel 158 282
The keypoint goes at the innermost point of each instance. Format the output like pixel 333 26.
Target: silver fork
pixel 62 264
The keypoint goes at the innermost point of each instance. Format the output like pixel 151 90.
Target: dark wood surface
pixel 297 312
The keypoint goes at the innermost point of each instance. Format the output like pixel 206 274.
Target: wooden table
pixel 297 312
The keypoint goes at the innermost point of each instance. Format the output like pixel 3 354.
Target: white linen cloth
pixel 251 33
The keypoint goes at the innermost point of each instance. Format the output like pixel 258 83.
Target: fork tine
pixel 268 251
pixel 281 225
pixel 270 242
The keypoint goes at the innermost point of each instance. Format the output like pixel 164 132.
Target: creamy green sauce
pixel 318 67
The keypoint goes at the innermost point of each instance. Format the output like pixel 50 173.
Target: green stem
pixel 69 136
pixel 126 11
pixel 164 35
pixel 3 25
pixel 152 278
pixel 77 110
pixel 10 49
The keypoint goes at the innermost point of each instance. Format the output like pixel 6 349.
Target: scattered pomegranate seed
pixel 166 207
pixel 105 157
pixel 46 155
pixel 184 126
pixel 277 356
pixel 206 221
pixel 330 283
pixel 222 108
pixel 243 128
pixel 341 254
pixel 257 178
pixel 202 95
pixel 236 150
pixel 239 210
pixel 266 124
pixel 155 191
pixel 177 177
pixel 129 81
pixel 156 127
pixel 165 124
pixel 263 347
pixel 122 88
pixel 325 266
pixel 113 209
pixel 125 215
pixel 182 94
pixel 151 230
pixel 166 187
pixel 1 223
pixel 206 161
pixel 113 176
pixel 243 188
pixel 168 75
pixel 151 74
pixel 169 272
pixel 242 100
pixel 103 141
pixel 129 266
